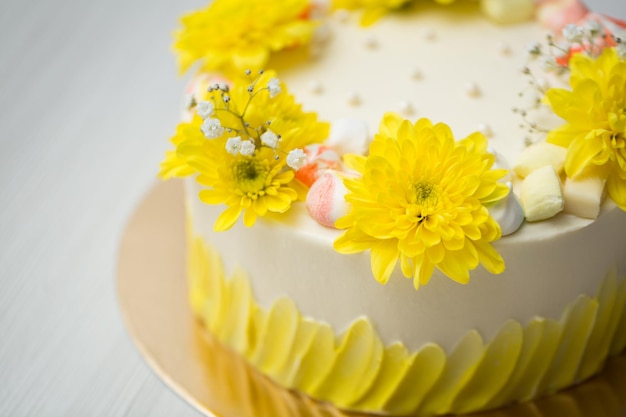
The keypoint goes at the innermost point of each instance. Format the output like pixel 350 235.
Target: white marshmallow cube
pixel 583 197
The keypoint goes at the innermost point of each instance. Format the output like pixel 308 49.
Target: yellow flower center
pixel 425 199
pixel 250 176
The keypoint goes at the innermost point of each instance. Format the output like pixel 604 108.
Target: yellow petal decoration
pixel 278 336
pixel 459 366
pixel 619 338
pixel 355 371
pixel 424 368
pixel 395 363
pixel 595 129
pixel 498 362
pixel 234 35
pixel 355 366
pixel 421 199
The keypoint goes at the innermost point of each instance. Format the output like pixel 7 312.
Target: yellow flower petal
pixel 352 241
pixel 581 151
pixel 227 219
pixel 174 166
pixel 249 217
pixel 616 188
pixel 455 269
pixel 423 271
pixel 384 259
pixel 490 258
pixel 251 57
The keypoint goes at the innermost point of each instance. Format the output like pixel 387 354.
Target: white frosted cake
pixel 407 207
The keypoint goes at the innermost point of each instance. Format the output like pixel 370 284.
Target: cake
pixel 407 207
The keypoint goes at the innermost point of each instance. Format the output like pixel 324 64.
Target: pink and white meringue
pixel 325 200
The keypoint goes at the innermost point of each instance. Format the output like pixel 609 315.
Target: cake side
pixel 356 369
pixel 545 272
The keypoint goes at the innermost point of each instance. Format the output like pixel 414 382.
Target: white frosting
pixel 433 75
pixel 548 264
pixel 509 213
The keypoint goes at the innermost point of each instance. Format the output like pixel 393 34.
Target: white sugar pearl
pixel 316 87
pixel 472 89
pixel 429 34
pixel 354 99
pixel 371 42
pixel 406 108
pixel 485 129
pixel 504 48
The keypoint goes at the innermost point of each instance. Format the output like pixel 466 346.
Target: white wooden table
pixel 89 94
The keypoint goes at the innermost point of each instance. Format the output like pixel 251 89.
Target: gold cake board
pixel 153 299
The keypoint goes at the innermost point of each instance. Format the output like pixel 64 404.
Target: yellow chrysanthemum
pixel 595 112
pixel 421 200
pixel 234 35
pixel 375 9
pixel 258 180
pixel 249 185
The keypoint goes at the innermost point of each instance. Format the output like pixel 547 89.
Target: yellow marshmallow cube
pixel 508 11
pixel 539 155
pixel 541 194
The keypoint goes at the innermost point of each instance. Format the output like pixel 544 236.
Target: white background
pixel 89 95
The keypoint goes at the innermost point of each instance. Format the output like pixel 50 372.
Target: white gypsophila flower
pixel 573 33
pixel 534 49
pixel 247 148
pixel 212 128
pixel 270 139
pixel 621 50
pixel 594 28
pixel 204 109
pixel 549 64
pixel 233 145
pixel 296 159
pixel 274 86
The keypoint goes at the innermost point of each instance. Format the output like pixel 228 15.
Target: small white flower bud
pixel 247 148
pixel 204 109
pixel 534 49
pixel 274 86
pixel 594 28
pixel 212 128
pixel 233 145
pixel 270 139
pixel 573 33
pixel 296 159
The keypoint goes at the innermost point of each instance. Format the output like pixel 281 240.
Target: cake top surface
pixel 425 134
pixel 449 64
